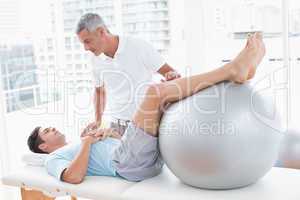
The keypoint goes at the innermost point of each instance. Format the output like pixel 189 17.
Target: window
pixel 51 58
pixel 30 67
pixel 4 83
pixel 14 67
pixel 20 100
pixel 78 56
pixel 3 68
pixel 68 40
pixel 78 66
pixel 68 43
pixel 50 45
pixel 293 73
pixel 68 57
pixel 29 79
pixel 42 58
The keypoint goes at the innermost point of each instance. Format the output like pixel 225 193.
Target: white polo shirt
pixel 126 76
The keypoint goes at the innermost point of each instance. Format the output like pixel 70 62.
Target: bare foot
pixel 243 67
pixel 262 52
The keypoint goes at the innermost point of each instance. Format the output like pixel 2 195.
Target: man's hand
pixel 96 135
pixel 171 75
pixel 103 133
pixel 90 127
pixel 91 138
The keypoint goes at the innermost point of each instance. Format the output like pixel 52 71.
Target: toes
pixel 258 36
pixel 259 41
pixel 247 43
pixel 252 43
pixel 251 73
pixel 240 80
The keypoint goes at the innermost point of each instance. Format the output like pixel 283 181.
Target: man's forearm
pixel 78 167
pixel 98 111
pixel 99 103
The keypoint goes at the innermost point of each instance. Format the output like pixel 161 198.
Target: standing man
pixel 122 67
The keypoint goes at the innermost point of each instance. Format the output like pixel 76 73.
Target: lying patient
pixel 135 156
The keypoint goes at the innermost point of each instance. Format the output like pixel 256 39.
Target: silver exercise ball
pixel 226 136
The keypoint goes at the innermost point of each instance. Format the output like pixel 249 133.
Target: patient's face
pixel 52 136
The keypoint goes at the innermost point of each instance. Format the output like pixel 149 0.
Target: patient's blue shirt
pixel 100 160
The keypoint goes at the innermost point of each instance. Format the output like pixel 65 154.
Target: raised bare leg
pixel 157 96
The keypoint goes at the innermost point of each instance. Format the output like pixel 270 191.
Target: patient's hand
pixel 102 134
pixel 107 132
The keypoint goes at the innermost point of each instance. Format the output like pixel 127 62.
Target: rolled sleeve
pixel 55 165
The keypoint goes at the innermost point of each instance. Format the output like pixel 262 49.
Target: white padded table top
pixel 278 184
pixel 92 187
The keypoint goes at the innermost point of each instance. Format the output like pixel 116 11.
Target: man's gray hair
pixel 90 22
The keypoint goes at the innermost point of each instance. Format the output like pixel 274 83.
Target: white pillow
pixel 34 159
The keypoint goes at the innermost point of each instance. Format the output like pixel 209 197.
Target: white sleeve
pixel 151 57
pixel 55 165
pixel 96 74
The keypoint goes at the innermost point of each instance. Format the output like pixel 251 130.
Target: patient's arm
pixel 78 167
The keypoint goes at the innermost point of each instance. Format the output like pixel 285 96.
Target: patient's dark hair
pixel 34 140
